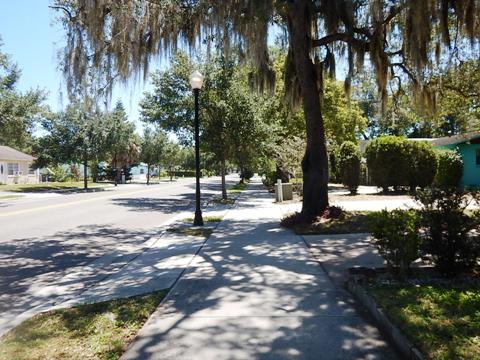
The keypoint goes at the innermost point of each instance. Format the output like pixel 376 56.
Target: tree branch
pixel 64 9
pixel 394 11
pixel 405 70
pixel 348 38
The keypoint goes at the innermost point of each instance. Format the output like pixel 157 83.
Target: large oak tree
pixel 400 37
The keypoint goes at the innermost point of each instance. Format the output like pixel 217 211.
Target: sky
pixel 32 39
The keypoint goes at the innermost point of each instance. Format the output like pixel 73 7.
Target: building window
pixel 12 168
pixel 477 158
pixel 142 171
pixel 31 171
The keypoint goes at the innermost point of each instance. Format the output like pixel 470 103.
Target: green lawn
pixel 206 219
pixel 197 231
pixel 96 331
pixel 10 197
pixel 237 188
pixel 442 321
pixel 49 186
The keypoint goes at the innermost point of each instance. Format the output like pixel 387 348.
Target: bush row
pixel 441 229
pixel 397 162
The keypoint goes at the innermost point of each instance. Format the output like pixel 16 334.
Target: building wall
pixel 3 172
pixel 471 171
pixel 23 176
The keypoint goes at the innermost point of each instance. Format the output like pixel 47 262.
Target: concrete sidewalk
pixel 254 291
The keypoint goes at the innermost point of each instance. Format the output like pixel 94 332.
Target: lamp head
pixel 196 80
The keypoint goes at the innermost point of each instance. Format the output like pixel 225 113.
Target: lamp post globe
pixel 196 82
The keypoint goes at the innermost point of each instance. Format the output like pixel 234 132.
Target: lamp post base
pixel 198 220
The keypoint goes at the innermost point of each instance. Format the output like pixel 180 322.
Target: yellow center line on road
pixel 64 204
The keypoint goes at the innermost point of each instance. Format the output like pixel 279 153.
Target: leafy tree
pixel 172 158
pixel 229 127
pixel 170 102
pixel 152 148
pixel 18 112
pixel 123 143
pixel 77 135
pixel 343 119
pixel 458 109
pixel 284 135
pixel 399 37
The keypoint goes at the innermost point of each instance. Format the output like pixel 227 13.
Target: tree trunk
pixel 148 174
pixel 224 184
pixel 85 171
pixel 118 175
pixel 315 161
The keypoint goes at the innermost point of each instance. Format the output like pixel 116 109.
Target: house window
pixel 31 171
pixel 477 157
pixel 142 171
pixel 12 168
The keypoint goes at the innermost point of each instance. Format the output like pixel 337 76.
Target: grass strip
pixel 237 188
pixel 206 219
pixel 43 187
pixel 10 197
pixel 191 231
pixel 93 331
pixel 443 321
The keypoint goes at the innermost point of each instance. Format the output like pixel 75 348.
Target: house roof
pixel 456 139
pixel 7 153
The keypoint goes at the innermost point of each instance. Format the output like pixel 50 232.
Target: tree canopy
pixel 18 112
pixel 401 39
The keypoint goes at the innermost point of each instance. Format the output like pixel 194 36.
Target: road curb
pixel 401 342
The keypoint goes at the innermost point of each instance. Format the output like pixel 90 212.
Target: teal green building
pixel 468 146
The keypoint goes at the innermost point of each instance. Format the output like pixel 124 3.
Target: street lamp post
pixel 196 82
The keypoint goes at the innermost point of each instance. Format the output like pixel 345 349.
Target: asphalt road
pixel 42 237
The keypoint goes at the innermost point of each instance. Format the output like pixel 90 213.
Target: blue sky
pixel 32 39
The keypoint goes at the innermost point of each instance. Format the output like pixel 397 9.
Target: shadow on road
pixel 29 265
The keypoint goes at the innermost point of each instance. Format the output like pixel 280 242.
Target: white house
pixel 15 167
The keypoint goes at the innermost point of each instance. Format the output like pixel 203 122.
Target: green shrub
pixel 423 164
pixel 388 163
pixel 396 234
pixel 270 178
pixel 59 174
pixel 450 168
pixel 246 174
pixel 185 173
pixel 333 168
pixel 349 165
pixel 447 226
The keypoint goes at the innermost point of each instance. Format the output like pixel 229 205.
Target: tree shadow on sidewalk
pixel 254 291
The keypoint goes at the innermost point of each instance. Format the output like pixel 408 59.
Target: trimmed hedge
pixel 388 163
pixel 450 168
pixel 423 164
pixel 399 162
pixel 349 159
